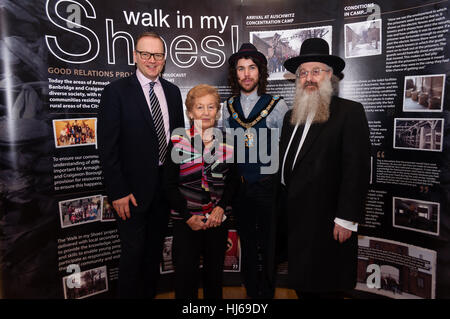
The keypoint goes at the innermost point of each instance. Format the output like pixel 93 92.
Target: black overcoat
pixel 330 179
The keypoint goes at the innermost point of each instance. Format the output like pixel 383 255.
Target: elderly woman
pixel 200 185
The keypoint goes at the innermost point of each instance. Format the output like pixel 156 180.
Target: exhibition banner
pixel 58 233
pixel 397 63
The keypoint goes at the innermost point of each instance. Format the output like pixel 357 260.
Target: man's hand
pixel 215 218
pixel 196 222
pixel 340 233
pixel 122 206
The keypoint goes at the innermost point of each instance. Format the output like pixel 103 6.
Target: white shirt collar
pixel 251 97
pixel 143 80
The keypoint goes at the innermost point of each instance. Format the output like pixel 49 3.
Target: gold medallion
pixel 249 139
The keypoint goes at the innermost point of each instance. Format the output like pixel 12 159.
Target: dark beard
pixel 249 90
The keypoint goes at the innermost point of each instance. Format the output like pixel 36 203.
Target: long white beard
pixel 312 102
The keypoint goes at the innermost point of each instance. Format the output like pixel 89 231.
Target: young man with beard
pixel 252 111
pixel 324 172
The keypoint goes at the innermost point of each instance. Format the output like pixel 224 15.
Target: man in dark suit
pixel 136 117
pixel 324 174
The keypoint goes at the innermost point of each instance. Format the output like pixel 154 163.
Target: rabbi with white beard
pixel 324 176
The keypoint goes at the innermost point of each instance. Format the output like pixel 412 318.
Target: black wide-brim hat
pixel 315 50
pixel 246 50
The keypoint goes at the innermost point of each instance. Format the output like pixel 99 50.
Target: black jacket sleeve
pixel 171 177
pixel 231 186
pixel 356 150
pixel 108 126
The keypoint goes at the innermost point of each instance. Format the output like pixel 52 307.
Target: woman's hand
pixel 215 218
pixel 196 222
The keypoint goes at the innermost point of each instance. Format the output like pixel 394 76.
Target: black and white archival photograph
pixel 416 215
pixel 280 45
pixel 362 38
pixel 418 134
pixel 86 283
pixel 394 269
pixel 424 93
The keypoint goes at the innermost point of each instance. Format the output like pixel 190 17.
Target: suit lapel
pixel 169 98
pixel 314 131
pixel 284 141
pixel 141 101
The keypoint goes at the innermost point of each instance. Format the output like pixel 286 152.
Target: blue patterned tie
pixel 158 121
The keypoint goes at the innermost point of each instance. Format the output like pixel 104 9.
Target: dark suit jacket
pixel 127 139
pixel 330 179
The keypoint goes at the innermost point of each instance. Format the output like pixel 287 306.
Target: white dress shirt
pixel 158 89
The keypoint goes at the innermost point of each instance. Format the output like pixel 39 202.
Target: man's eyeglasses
pixel 314 72
pixel 147 55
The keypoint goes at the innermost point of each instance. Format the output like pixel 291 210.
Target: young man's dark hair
pixel 263 75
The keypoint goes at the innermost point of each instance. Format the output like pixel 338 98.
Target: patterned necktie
pixel 158 121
